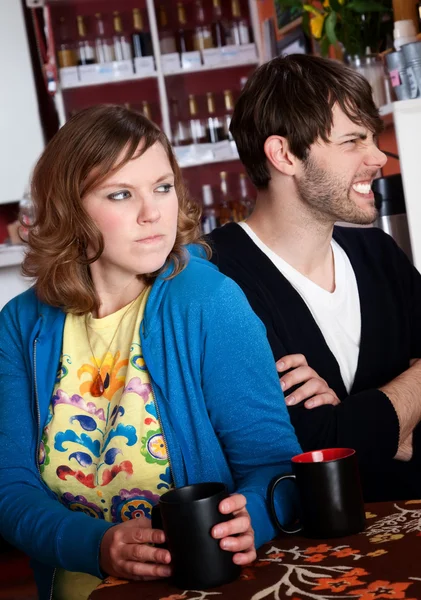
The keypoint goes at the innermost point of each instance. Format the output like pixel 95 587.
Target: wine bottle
pixel 197 126
pixel 65 53
pixel 182 35
pixel 181 134
pixel 209 214
pixel 240 31
pixel 245 198
pixel 218 29
pixel 202 37
pixel 229 108
pixel 225 214
pixel 103 45
pixel 214 127
pixel 141 40
pixel 121 42
pixel 86 53
pixel 167 42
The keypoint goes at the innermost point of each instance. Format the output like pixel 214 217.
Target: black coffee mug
pixel 330 497
pixel 188 515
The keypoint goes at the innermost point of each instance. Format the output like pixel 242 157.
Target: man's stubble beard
pixel 328 197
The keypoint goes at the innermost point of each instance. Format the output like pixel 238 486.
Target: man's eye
pixel 123 195
pixel 354 141
pixel 165 188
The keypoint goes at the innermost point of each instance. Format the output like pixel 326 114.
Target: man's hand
pixel 126 551
pixel 405 450
pixel 313 388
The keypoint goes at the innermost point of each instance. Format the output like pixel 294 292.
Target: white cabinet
pixel 407 119
pixel 20 126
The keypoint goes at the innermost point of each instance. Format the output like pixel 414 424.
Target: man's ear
pixel 279 155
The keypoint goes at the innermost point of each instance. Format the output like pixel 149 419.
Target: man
pixel 344 300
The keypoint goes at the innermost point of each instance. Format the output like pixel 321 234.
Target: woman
pixel 130 367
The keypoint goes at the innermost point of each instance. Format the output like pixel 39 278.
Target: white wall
pixel 21 139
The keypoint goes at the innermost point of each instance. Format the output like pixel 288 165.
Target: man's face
pixel 335 179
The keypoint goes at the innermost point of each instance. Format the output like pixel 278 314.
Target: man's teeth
pixel 362 188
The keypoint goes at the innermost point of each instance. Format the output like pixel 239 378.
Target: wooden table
pixel 384 561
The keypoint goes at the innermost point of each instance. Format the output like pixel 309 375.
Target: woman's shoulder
pixel 26 301
pixel 203 278
pixel 25 309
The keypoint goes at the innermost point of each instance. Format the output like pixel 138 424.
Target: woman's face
pixel 136 211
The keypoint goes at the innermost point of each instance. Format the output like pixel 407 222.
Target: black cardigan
pixel 390 298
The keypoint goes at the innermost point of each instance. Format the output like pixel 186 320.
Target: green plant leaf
pixel 310 8
pixel 367 6
pixel 324 45
pixel 334 5
pixel 290 4
pixel 306 24
pixel 330 25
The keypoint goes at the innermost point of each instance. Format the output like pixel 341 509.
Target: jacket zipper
pixel 163 435
pixel 52 585
pixel 37 405
pixel 39 437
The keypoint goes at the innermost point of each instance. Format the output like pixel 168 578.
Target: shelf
pixel 196 155
pixel 208 162
pixel 203 68
pixel 11 256
pixel 82 84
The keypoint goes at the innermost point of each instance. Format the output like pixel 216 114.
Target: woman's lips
pixel 153 239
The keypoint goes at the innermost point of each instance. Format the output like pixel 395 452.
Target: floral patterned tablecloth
pixel 384 561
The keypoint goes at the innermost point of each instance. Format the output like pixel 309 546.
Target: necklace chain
pixel 112 339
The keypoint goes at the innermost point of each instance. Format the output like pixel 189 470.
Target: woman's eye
pixel 351 141
pixel 123 195
pixel 164 188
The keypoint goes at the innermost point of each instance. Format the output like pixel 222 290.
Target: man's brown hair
pixel 82 154
pixel 293 97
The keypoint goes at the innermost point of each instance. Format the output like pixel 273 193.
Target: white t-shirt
pixel 337 313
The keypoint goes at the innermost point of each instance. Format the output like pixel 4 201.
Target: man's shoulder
pixel 373 238
pixel 227 238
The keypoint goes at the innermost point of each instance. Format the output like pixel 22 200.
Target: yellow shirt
pixel 103 456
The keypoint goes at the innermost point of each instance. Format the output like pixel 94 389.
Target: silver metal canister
pixel 412 53
pixel 399 79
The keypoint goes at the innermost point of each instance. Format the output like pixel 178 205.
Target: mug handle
pixel 272 486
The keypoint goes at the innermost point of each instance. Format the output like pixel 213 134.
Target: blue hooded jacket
pixel 218 398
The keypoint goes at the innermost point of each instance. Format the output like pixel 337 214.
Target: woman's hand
pixel 126 551
pixel 313 388
pixel 242 545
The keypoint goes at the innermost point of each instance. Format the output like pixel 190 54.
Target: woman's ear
pixel 279 155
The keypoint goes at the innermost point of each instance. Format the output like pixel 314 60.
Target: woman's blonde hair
pixel 82 154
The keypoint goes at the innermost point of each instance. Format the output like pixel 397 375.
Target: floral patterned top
pixel 103 456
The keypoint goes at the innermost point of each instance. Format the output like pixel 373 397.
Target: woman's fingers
pixel 240 543
pixel 232 504
pixel 245 558
pixel 139 570
pixel 144 553
pixel 240 524
pixel 141 535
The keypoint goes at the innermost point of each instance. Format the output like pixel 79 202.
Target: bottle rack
pixel 159 78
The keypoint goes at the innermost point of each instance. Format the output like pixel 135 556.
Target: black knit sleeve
pixel 366 421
